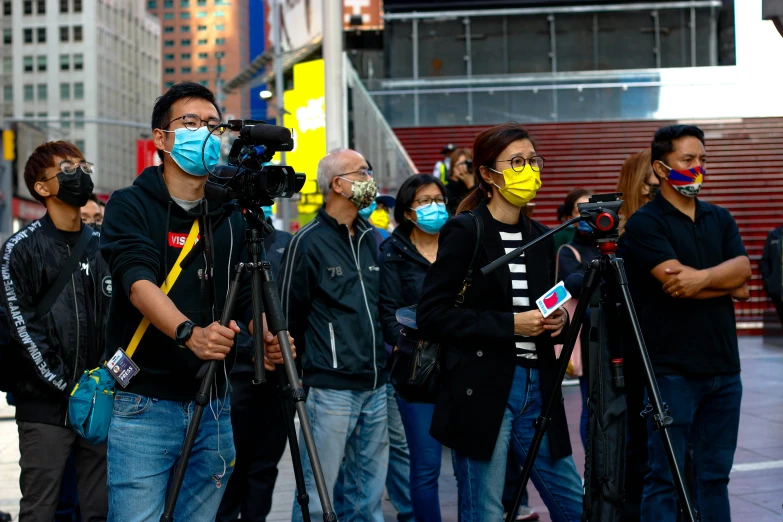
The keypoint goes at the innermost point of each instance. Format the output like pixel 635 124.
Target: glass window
pixel 220 68
pixel 65 91
pixel 8 64
pixel 201 14
pixel 28 36
pixel 78 91
pixel 28 63
pixel 220 14
pixel 185 56
pixel 220 27
pixel 152 4
pixel 78 62
pixel 77 33
pixel 77 6
pixel 41 7
pixel 79 117
pixel 63 33
pixel 27 7
pixel 203 41
pixel 42 92
pixel 65 62
pixel 184 28
pixel 186 70
pixel 185 15
pixel 168 43
pixel 221 2
pixel 41 62
pixel 168 16
pixel 29 92
pixel 204 83
pixel 201 3
pixel 184 3
pixel 168 85
pixel 168 57
pixel 41 34
pixel 168 70
pixel 203 56
pixel 43 115
pixel 63 6
pixel 220 41
pixel 202 27
pixel 203 69
pixel 168 4
pixel 6 7
pixel 168 29
pixel 8 92
pixel 8 36
pixel 65 119
pixel 80 145
pixel 184 42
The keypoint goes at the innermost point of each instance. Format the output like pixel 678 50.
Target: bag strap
pixel 66 272
pixel 176 270
pixel 477 248
pixel 557 257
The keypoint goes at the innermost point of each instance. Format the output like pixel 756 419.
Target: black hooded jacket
pixel 47 355
pixel 142 236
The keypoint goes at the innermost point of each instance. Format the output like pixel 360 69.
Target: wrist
pixel 707 278
pixel 184 332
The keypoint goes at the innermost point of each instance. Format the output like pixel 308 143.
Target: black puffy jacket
pixel 47 355
pixel 329 292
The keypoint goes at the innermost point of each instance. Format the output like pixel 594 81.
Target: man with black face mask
pixel 51 346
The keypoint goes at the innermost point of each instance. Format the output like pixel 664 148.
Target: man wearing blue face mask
pixel 146 231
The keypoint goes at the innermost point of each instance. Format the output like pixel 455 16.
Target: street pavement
pixel 756 485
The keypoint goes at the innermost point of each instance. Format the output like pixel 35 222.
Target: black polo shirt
pixel 683 336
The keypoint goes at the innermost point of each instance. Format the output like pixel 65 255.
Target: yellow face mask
pixel 380 219
pixel 521 187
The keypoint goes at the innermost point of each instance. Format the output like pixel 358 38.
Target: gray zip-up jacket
pixel 329 284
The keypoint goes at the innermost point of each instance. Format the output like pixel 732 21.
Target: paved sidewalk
pixel 756 485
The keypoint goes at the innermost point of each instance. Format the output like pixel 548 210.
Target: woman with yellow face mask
pixel 499 364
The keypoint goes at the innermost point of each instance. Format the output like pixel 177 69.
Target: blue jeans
pixel 145 439
pixel 426 455
pixel 398 477
pixel 706 412
pixel 350 425
pixel 480 482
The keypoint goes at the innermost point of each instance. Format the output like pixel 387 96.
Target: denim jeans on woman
pixel 145 439
pixel 480 482
pixel 706 412
pixel 350 425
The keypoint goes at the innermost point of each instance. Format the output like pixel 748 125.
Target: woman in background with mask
pixel 499 363
pixel 420 212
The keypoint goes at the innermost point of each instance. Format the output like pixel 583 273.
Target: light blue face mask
pixel 431 218
pixel 367 212
pixel 267 212
pixel 187 150
pixel 584 227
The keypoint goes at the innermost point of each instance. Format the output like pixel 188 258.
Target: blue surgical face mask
pixel 584 227
pixel 267 212
pixel 367 211
pixel 187 150
pixel 431 218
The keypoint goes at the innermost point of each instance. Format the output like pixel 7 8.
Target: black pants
pixel 44 450
pixel 260 439
pixel 776 300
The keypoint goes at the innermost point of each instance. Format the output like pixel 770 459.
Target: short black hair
pixel 161 113
pixel 406 195
pixel 663 142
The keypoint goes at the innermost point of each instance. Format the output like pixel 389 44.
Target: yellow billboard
pixel 306 114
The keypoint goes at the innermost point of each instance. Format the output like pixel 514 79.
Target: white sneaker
pixel 524 514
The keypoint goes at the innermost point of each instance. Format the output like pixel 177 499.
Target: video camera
pixel 246 178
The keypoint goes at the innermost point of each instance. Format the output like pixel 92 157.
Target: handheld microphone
pixel 573 284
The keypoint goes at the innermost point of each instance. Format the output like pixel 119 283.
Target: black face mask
pixel 75 189
pixel 94 226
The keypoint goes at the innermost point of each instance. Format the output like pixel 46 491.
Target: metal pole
pixel 333 73
pixel 596 58
pixel 279 95
pixel 415 38
pixel 693 36
pixel 657 49
pixel 6 188
pixel 218 86
pixel 553 58
pixel 469 66
pixel 713 38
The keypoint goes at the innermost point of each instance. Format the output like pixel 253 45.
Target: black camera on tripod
pixel 246 178
pixel 601 213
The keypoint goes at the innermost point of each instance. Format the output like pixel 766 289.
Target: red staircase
pixel 744 174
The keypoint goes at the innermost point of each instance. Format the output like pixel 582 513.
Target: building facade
pixel 86 71
pixel 205 41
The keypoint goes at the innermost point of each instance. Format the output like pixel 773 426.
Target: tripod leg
pixel 589 285
pixel 277 325
pixel 202 397
pixel 302 498
pixel 661 419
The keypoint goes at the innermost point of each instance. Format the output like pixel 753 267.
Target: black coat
pixel 479 364
pixel 402 277
pixel 770 265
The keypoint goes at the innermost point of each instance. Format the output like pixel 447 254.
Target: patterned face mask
pixel 686 182
pixel 363 194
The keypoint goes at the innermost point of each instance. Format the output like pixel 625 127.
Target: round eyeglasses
pixel 192 122
pixel 69 168
pixel 518 163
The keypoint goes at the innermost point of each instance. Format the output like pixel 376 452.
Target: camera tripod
pixel 601 213
pixel 265 299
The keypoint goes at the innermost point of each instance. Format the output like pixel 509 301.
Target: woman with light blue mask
pixel 420 212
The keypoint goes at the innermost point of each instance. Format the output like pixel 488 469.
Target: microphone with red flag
pixel 553 299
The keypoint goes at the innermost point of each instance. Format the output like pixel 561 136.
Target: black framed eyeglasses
pixel 429 200
pixel 193 122
pixel 518 163
pixel 468 164
pixel 70 168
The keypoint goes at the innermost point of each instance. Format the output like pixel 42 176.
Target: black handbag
pixel 415 370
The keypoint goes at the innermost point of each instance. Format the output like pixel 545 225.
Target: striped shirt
pixel 521 299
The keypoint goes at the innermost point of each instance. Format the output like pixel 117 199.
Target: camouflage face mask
pixel 364 192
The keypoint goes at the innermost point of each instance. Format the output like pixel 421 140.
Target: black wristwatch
pixel 183 332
